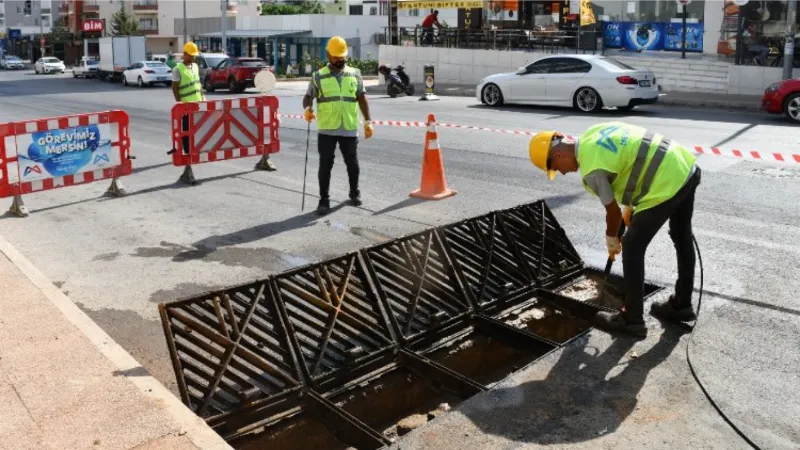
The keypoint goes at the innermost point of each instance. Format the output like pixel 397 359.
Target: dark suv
pixel 237 74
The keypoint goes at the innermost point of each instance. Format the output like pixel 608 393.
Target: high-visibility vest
pixel 337 105
pixel 189 89
pixel 649 168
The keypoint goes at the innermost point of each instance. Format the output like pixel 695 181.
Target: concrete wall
pixel 28 26
pixel 705 75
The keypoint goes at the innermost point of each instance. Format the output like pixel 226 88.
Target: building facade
pixel 22 24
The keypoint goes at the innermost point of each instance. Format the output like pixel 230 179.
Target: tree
pixel 59 33
pixel 304 7
pixel 122 23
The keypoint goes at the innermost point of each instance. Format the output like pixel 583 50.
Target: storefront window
pixel 650 25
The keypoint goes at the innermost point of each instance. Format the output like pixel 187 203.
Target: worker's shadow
pixel 586 394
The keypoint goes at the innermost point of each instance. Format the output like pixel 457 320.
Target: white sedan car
pixel 585 82
pixel 49 64
pixel 146 73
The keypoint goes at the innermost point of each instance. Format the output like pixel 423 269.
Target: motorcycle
pixel 396 83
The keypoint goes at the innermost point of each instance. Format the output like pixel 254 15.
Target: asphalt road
pixel 118 258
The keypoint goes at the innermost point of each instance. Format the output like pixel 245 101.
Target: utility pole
pixel 185 37
pixel 224 7
pixel 788 48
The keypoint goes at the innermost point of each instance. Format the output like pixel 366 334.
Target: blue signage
pixel 638 36
pixel 56 153
pixel 14 34
pixel 673 37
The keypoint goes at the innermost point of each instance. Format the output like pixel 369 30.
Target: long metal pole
pixel 185 37
pixel 683 34
pixel 788 49
pixel 41 30
pixel 224 7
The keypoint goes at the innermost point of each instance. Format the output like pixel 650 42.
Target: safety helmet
pixel 539 149
pixel 337 47
pixel 191 49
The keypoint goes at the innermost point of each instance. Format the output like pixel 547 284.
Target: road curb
pixel 195 429
pixel 665 99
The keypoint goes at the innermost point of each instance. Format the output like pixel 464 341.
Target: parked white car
pixel 585 82
pixel 49 64
pixel 146 73
pixel 11 62
pixel 87 68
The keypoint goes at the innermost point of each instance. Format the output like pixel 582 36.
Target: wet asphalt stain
pixel 264 258
pixel 142 338
pixel 58 284
pixel 181 291
pixel 365 233
pixel 107 256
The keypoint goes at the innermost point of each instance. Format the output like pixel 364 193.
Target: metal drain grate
pixel 413 276
pixel 541 242
pixel 334 317
pixel 488 262
pixel 229 350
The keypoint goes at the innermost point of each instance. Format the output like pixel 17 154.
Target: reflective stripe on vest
pixel 638 165
pixel 189 89
pixel 337 104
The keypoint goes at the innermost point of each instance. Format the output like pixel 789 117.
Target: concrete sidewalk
pixel 751 103
pixel 65 384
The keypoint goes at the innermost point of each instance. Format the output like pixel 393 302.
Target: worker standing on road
pixel 655 180
pixel 337 88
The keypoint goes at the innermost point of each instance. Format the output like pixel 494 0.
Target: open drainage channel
pixel 358 350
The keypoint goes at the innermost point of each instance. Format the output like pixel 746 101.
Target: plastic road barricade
pixel 42 154
pixel 219 130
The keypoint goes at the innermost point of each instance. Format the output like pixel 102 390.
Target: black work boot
pixel 668 311
pixel 324 206
pixel 615 321
pixel 355 198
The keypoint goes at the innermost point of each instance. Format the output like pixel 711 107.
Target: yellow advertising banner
pixel 440 4
pixel 587 16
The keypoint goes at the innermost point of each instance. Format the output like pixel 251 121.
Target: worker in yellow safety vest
pixel 337 88
pixel 655 180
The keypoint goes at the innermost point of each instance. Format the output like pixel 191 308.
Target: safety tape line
pixel 752 155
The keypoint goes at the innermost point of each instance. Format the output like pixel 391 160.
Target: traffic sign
pixel 41 41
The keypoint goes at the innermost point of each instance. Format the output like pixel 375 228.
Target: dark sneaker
pixel 355 198
pixel 324 206
pixel 668 311
pixel 614 321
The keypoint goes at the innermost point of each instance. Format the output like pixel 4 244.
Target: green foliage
pixel 305 7
pixel 122 23
pixel 59 33
pixel 367 66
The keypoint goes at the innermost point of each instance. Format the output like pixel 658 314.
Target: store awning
pixel 440 4
pixel 257 33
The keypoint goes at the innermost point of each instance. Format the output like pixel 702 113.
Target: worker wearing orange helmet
pixel 337 89
pixel 655 181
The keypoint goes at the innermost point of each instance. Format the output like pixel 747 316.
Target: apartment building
pixel 156 19
pixel 21 28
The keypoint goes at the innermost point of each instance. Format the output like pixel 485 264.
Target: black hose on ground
pixel 689 360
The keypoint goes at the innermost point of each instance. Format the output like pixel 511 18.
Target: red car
pixel 236 74
pixel 783 98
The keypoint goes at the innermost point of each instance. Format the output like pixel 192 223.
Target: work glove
pixel 367 129
pixel 309 114
pixel 614 246
pixel 627 212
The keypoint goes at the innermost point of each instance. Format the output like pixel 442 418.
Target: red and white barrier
pixel 219 130
pixel 43 154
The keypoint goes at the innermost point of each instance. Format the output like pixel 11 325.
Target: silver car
pixel 12 62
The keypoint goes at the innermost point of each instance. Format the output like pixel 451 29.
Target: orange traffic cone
pixel 433 185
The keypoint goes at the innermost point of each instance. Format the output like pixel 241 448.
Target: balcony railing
pixel 63 8
pixel 91 6
pixel 148 30
pixel 145 5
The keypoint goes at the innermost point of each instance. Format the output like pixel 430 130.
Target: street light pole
pixel 41 29
pixel 185 38
pixel 224 6
pixel 788 48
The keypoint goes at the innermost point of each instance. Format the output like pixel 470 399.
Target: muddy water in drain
pixel 392 398
pixel 301 433
pixel 481 358
pixel 588 288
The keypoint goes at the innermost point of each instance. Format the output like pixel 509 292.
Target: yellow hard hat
pixel 191 49
pixel 539 148
pixel 337 47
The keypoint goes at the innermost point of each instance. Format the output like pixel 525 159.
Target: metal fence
pixel 549 41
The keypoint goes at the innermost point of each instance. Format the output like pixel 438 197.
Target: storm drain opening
pixel 588 284
pixel 357 350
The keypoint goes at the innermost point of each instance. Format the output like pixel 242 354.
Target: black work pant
pixel 326 145
pixel 185 139
pixel 644 226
